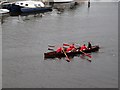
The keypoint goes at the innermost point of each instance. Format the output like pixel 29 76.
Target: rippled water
pixel 26 41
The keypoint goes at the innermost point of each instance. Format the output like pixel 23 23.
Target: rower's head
pixel 72 45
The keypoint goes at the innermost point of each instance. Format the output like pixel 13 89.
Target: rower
pixel 89 45
pixel 71 48
pixel 83 47
pixel 59 50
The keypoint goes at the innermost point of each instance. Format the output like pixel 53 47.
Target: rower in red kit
pixel 83 48
pixel 71 48
pixel 59 50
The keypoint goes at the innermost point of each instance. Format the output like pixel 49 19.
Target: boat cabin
pixel 30 4
pixel 60 1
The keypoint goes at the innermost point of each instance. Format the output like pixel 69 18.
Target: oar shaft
pixel 86 54
pixel 65 55
pixel 64 44
pixel 51 49
pixel 51 46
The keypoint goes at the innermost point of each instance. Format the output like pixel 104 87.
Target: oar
pixel 85 58
pixel 66 55
pixel 55 46
pixel 51 49
pixel 51 46
pixel 64 44
pixel 86 54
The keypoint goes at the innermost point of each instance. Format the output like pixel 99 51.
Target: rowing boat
pixel 54 54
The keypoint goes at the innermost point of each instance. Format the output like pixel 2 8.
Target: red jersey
pixel 69 49
pixel 72 46
pixel 59 50
pixel 83 48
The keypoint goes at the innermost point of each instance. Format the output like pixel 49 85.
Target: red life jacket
pixel 59 50
pixel 69 49
pixel 83 48
pixel 72 46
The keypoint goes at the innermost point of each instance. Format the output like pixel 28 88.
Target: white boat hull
pixel 30 4
pixel 3 11
pixel 62 1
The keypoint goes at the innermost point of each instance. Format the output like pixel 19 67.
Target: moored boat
pixel 26 8
pixel 54 54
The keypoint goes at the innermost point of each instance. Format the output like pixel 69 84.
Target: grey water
pixel 24 43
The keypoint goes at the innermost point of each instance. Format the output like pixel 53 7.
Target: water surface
pixel 25 42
